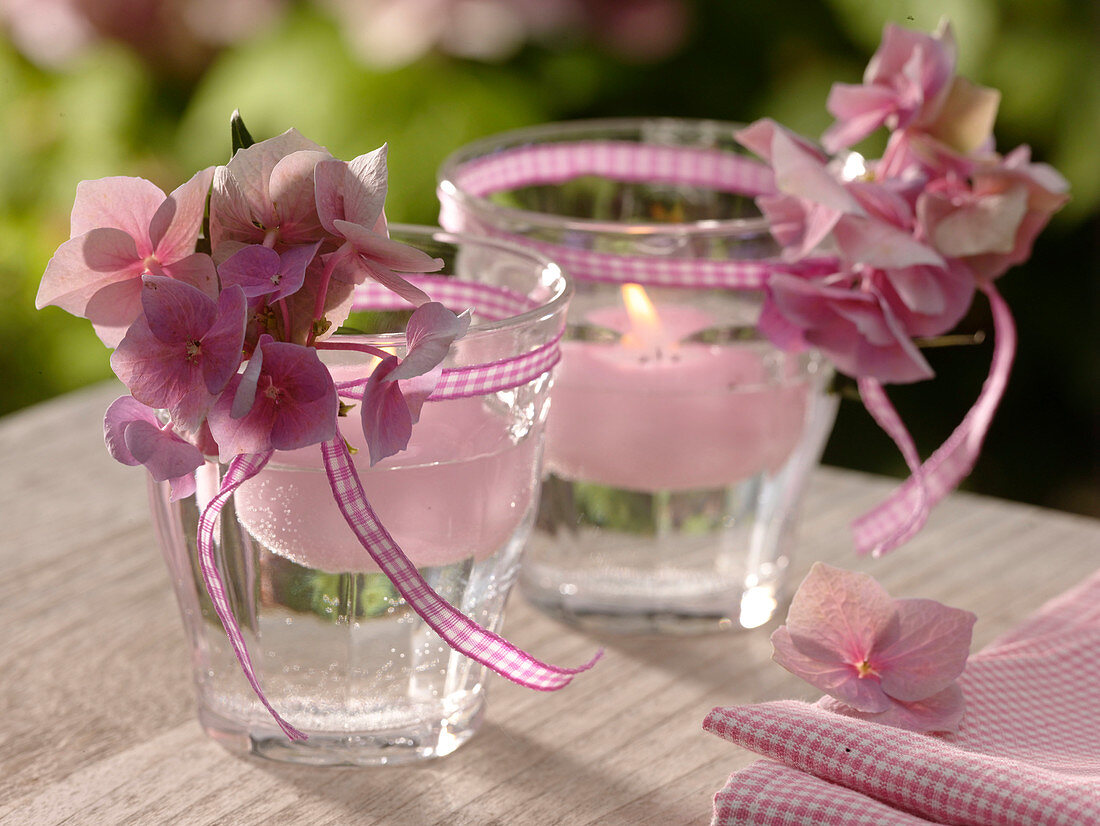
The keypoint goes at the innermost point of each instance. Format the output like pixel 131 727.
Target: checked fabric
pixel 1027 753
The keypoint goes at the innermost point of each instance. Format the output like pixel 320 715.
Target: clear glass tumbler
pixel 337 650
pixel 680 438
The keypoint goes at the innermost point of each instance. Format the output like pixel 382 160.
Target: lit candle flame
pixel 645 325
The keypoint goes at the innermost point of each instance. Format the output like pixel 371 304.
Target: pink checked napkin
pixel 1027 753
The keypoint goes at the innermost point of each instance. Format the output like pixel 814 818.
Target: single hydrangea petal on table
pixel 890 660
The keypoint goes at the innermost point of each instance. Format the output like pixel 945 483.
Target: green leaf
pixel 239 132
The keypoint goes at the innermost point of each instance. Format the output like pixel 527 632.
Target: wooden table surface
pixel 97 723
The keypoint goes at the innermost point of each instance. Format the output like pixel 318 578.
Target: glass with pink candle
pixel 338 650
pixel 680 437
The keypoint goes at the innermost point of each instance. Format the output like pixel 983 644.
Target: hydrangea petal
pixel 174 227
pixel 121 412
pixel 759 136
pixel 392 254
pixel 929 652
pixel 386 419
pixel 857 331
pixel 158 374
pixel 197 270
pixel 965 119
pixel 291 190
pixel 113 309
pixel 164 454
pixel 131 430
pixel 231 216
pixel 986 225
pixel 295 403
pixel 252 167
pixel 181 487
pixel 356 269
pixel 176 311
pixel 293 263
pixel 353 192
pixel 834 677
pixel 927 301
pixel 244 396
pixel 308 408
pixel 417 389
pixel 430 331
pixel 365 193
pixel 84 265
pixel 252 268
pixel 250 433
pixel 942 712
pixel 122 203
pixel 223 342
pixel 879 244
pixel 839 615
pixel 804 175
pixel 859 110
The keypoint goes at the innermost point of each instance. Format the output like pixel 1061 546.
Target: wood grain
pixel 96 718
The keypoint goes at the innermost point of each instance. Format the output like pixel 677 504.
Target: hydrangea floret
pixel 909 239
pixel 892 661
pixel 221 334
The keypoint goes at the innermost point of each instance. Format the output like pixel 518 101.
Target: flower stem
pixel 322 288
pixel 370 349
pixel 286 316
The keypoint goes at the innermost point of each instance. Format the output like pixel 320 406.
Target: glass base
pixel 376 747
pixel 628 562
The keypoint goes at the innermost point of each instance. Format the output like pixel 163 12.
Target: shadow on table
pixel 501 776
pixel 723 663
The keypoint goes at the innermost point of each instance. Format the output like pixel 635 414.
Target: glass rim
pixel 627 127
pixel 561 287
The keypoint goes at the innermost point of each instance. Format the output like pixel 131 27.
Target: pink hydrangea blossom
pixel 926 301
pixel 350 197
pixel 263 273
pixel 289 398
pixel 183 350
pixel 936 119
pixel 289 192
pixel 122 229
pixel 135 436
pixel 891 660
pixel 992 221
pixel 905 83
pixel 855 328
pixel 265 195
pixel 816 210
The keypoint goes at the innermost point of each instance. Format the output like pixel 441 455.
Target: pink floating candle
pixel 460 490
pixel 653 412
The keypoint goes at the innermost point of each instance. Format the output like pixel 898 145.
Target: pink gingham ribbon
pixel 622 161
pixel 897 519
pixel 461 633
pixel 904 513
pixel 493 302
pixel 240 470
pixel 454 627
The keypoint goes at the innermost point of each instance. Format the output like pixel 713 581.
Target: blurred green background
pixel 90 88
